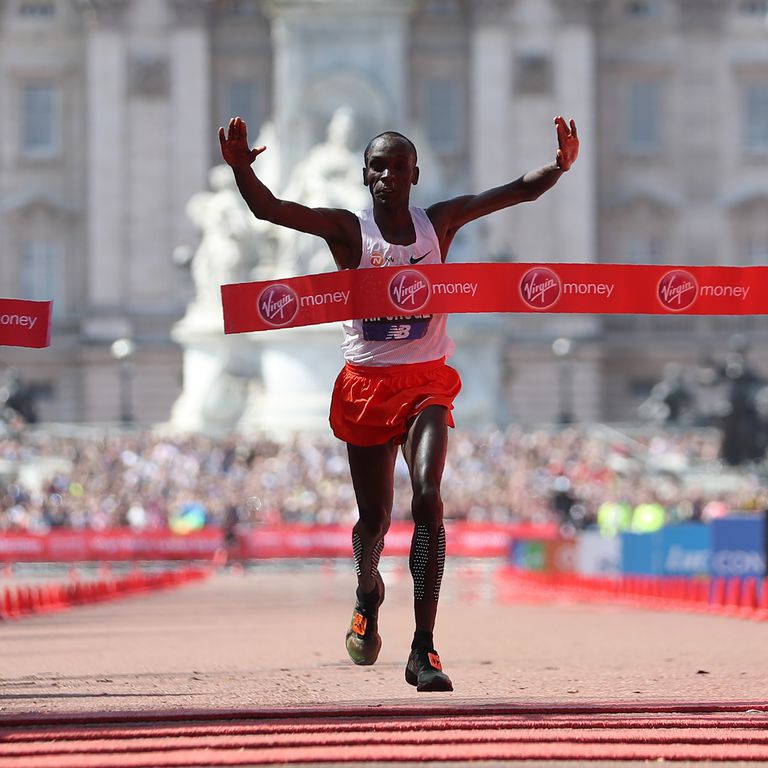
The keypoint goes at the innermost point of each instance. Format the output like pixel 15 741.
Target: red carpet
pixel 718 732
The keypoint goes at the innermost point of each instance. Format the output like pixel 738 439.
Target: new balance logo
pixel 399 332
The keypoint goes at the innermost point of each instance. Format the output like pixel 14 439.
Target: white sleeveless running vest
pixel 397 340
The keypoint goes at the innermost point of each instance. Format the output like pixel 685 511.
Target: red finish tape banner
pixel 452 288
pixel 25 323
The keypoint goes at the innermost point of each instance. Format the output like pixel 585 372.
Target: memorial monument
pixel 278 380
pixel 325 111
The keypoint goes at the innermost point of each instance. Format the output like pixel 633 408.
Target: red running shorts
pixel 372 405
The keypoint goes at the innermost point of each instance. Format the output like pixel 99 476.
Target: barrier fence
pixel 20 601
pixel 741 597
pixel 717 568
pixel 284 541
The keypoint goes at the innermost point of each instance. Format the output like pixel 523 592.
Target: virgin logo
pixel 278 304
pixel 540 288
pixel 677 290
pixel 409 290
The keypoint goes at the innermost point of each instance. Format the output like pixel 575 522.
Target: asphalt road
pixel 273 638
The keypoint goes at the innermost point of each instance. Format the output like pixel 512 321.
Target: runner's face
pixel 391 171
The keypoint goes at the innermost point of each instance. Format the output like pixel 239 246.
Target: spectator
pixel 146 481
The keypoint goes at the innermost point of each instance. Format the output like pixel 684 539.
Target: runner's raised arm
pixel 450 215
pixel 338 227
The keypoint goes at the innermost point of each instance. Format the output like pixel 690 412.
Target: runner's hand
pixel 234 144
pixel 568 144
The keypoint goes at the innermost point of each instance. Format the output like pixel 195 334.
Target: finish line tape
pixel 25 323
pixel 455 288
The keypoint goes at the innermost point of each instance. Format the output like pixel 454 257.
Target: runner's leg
pixel 425 451
pixel 372 469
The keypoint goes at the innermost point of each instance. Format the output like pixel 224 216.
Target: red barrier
pixel 463 539
pixel 748 603
pixel 20 601
pixel 761 612
pixel 745 598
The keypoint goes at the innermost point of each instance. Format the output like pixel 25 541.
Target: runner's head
pixel 390 135
pixel 390 168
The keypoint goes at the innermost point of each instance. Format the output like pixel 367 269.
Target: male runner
pixel 395 390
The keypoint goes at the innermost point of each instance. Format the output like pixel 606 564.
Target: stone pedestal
pixel 273 383
pixel 298 367
pixel 213 397
pixel 479 359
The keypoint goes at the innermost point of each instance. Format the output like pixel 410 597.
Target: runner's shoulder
pixel 443 213
pixel 346 222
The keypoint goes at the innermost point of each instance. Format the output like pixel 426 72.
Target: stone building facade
pixel 108 118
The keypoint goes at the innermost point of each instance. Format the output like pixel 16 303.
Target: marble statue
pixel 226 250
pixel 331 176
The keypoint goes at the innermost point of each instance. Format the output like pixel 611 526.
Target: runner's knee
pixel 427 506
pixel 372 528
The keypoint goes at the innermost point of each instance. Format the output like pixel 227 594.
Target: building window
pixel 642 9
pixel 756 118
pixel 533 74
pixel 754 8
pixel 42 274
pixel 37 10
pixel 242 100
pixel 756 252
pixel 40 118
pixel 442 115
pixel 241 8
pixel 643 128
pixel 643 250
pixel 443 8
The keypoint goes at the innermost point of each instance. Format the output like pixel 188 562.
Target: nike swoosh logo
pixel 414 260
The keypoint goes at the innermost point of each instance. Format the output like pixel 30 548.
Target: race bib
pixel 395 328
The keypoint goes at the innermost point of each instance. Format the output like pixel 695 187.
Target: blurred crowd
pixel 577 477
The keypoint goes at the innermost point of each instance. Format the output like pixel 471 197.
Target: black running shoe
pixel 363 639
pixel 425 671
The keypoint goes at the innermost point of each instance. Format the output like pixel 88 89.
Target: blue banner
pixel 640 553
pixel 685 549
pixel 738 546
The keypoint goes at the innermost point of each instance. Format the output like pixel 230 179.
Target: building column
pixel 490 99
pixel 576 197
pixel 575 97
pixel 190 108
pixel 490 77
pixel 106 158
